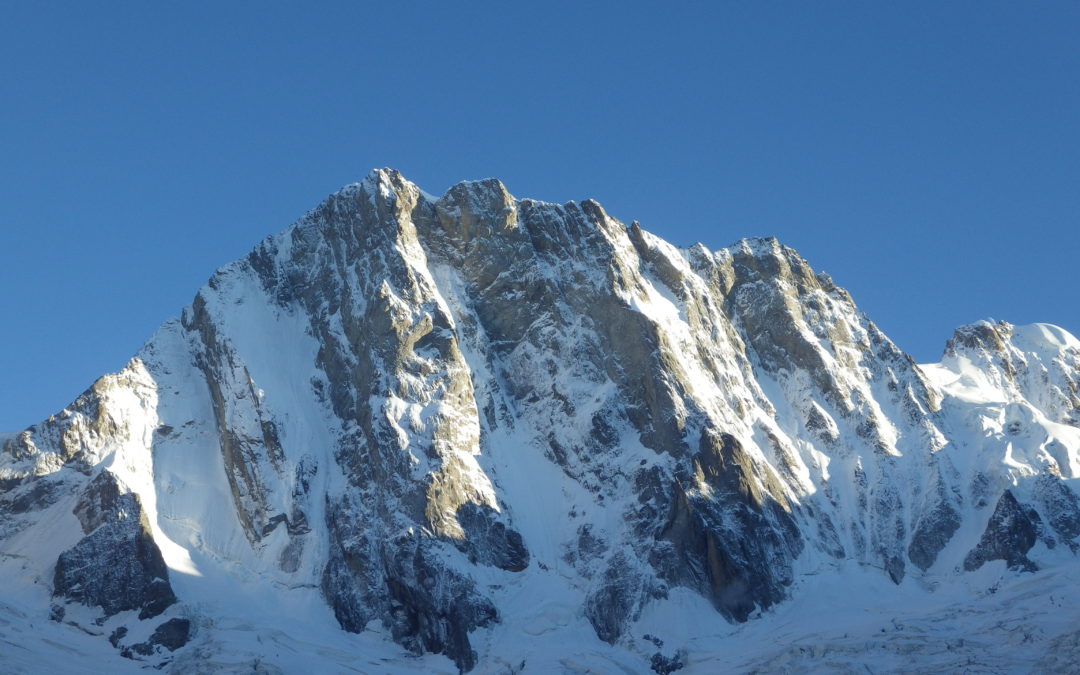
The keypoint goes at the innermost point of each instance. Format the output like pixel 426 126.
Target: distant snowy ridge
pixel 476 432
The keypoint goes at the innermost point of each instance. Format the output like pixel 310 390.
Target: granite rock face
pixel 117 565
pixel 1009 535
pixel 427 408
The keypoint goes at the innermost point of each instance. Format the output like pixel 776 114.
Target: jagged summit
pixel 490 431
pixel 491 194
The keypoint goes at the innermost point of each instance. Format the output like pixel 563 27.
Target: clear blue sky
pixel 927 155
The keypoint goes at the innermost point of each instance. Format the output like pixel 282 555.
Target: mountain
pixel 480 433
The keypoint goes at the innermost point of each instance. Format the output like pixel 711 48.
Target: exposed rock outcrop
pixel 117 565
pixel 1009 535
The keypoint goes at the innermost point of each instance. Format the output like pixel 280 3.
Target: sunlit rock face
pixel 453 418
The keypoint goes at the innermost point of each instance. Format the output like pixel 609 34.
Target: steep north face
pixel 468 424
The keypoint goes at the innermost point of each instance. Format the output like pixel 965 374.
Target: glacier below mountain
pixel 487 434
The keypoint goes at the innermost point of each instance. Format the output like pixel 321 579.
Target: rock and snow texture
pixel 477 432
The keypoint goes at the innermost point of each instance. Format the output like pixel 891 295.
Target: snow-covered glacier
pixel 480 433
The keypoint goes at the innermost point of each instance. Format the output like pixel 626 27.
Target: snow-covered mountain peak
pixel 499 429
pixel 1001 362
pixel 1045 340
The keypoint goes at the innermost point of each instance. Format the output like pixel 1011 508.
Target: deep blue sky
pixel 926 154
